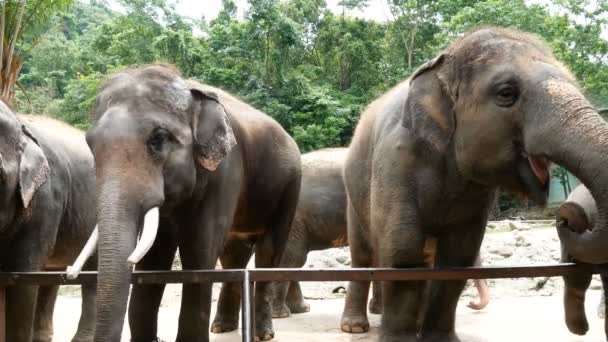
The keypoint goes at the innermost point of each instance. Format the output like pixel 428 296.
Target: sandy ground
pixel 528 309
pixel 506 319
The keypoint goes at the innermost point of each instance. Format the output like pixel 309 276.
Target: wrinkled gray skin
pixel 47 179
pixel 427 158
pixel 578 212
pixel 319 223
pixel 213 165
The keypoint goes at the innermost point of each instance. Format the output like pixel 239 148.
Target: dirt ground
pixel 528 309
pixel 505 319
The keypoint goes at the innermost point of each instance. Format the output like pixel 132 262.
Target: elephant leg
pixel 402 300
pixel 295 299
pixel 21 305
pixel 200 246
pixel 236 255
pixel 375 304
pixel 43 323
pixel 86 324
pixel 354 317
pixel 288 295
pixel 26 256
pixel 263 290
pixel 145 298
pixel 455 249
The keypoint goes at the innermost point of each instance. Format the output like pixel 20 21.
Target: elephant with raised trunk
pixel 492 110
pixel 185 164
pixel 47 196
pixel 579 212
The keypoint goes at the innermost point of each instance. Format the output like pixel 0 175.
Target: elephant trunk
pixel 568 131
pixel 117 236
pixel 119 219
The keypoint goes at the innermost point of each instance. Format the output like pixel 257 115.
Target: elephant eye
pixel 158 140
pixel 506 95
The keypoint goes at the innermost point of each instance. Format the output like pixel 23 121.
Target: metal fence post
pixel 2 314
pixel 248 312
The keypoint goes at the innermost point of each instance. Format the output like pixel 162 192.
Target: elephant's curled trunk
pixel 572 134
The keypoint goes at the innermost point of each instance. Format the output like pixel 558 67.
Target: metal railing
pixel 248 278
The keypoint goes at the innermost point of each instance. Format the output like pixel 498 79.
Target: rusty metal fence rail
pixel 248 278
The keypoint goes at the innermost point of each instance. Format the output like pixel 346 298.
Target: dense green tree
pixel 311 69
pixel 22 23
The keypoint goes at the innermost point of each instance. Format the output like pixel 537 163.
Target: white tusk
pixel 148 235
pixel 88 250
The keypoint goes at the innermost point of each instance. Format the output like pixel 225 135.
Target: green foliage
pixel 78 101
pixel 311 69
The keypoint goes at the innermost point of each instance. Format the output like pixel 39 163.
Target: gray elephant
pixel 319 223
pixel 187 165
pixel 493 109
pixel 579 213
pixel 48 211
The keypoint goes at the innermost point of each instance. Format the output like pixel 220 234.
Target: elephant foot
pixel 264 334
pixel 85 337
pixel 42 339
pixel 299 307
pixel 156 339
pixel 439 337
pixel 44 336
pixel 222 325
pixel 354 324
pixel 577 325
pixel 375 306
pixel 90 339
pixel 280 311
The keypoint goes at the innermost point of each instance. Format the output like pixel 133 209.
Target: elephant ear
pixel 212 132
pixel 33 168
pixel 428 108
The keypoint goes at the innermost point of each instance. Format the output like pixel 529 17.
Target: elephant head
pixel 23 170
pixel 153 135
pixel 506 108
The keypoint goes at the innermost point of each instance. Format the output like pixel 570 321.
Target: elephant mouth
pixel 535 176
pixel 540 167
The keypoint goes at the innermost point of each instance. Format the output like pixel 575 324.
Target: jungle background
pixel 312 69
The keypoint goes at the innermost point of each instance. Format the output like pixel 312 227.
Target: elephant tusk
pixel 148 235
pixel 88 250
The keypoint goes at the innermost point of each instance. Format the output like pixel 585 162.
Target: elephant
pixel 186 164
pixel 319 223
pixel 492 110
pixel 579 212
pixel 48 211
